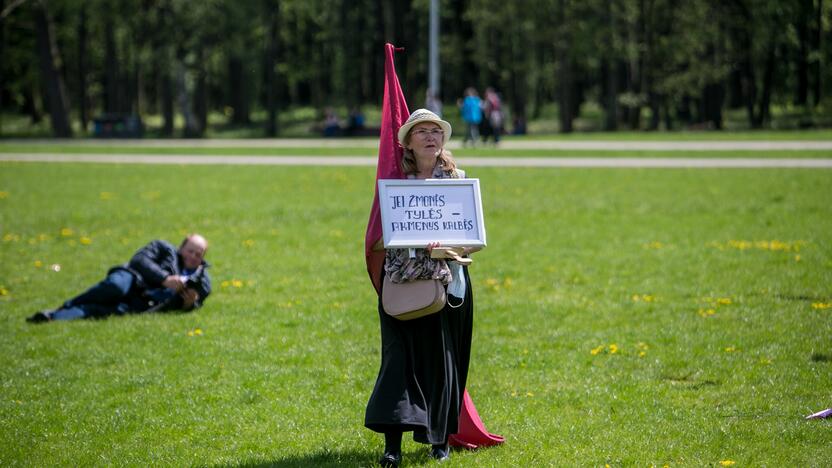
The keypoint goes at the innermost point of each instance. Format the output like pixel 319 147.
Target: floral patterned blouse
pixel 401 268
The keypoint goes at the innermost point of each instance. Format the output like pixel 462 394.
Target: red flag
pixel 393 114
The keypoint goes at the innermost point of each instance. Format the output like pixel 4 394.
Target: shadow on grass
pixel 328 458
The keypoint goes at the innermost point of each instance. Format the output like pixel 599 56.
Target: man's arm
pixel 203 289
pixel 148 259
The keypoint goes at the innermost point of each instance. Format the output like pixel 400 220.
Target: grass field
pixel 360 148
pixel 623 317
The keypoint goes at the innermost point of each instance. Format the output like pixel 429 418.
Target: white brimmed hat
pixel 424 115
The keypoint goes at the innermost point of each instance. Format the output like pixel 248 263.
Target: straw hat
pixel 424 115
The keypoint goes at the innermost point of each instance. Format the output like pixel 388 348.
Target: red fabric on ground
pixel 472 433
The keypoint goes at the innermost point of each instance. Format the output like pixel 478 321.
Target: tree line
pixel 647 64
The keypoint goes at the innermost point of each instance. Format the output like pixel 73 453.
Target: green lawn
pixel 623 317
pixel 350 148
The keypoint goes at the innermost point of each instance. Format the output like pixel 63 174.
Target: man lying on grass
pixel 159 277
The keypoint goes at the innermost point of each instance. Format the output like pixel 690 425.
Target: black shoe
pixel 440 453
pixel 391 459
pixel 40 317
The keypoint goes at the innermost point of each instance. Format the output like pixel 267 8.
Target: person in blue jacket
pixel 158 277
pixel 470 109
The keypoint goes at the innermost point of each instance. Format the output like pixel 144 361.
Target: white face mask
pixel 457 286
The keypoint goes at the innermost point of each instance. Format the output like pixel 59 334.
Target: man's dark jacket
pixel 155 262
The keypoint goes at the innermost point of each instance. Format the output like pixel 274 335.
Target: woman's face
pixel 426 140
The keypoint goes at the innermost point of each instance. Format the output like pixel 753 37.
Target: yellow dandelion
pixel 731 349
pixel 648 298
pixel 724 301
pixel 225 283
pixel 613 348
pixel 4 291
pixel 642 353
pixel 4 194
pixel 38 263
pixel 66 232
pixel 597 350
pixel 11 237
pixel 237 283
pixel 706 312
pixel 198 331
pixel 85 241
pixel 248 243
pixel 821 305
pixel 636 298
pixel 529 394
pixel 727 463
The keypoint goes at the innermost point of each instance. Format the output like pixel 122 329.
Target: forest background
pixel 272 67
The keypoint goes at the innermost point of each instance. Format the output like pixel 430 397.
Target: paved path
pixel 465 162
pixel 579 145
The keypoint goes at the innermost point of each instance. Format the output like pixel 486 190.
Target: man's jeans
pixel 105 298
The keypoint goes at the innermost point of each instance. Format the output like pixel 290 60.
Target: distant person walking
pixel 471 109
pixel 493 116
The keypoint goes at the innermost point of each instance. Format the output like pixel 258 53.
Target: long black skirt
pixel 424 367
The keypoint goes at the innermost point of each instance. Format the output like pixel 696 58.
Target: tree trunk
pixel 609 74
pixel 565 80
pixel 2 60
pixel 749 89
pixel 191 129
pixel 201 95
pixel 802 66
pixel 111 85
pixel 238 91
pixel 655 117
pixel 30 106
pixel 82 68
pixel 609 79
pixel 273 15
pixel 712 98
pixel 768 84
pixel 50 63
pixel 817 34
pixel 167 103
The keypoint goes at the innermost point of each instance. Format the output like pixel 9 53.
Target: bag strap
pixel 455 306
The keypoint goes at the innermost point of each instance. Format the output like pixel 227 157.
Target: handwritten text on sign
pixel 416 212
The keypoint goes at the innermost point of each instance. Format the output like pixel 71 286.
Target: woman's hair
pixel 446 160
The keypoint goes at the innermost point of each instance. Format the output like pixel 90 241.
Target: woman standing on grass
pixel 424 361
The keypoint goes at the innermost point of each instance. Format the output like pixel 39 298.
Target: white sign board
pixel 417 212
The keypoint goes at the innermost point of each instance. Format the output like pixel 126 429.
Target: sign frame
pixel 394 187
